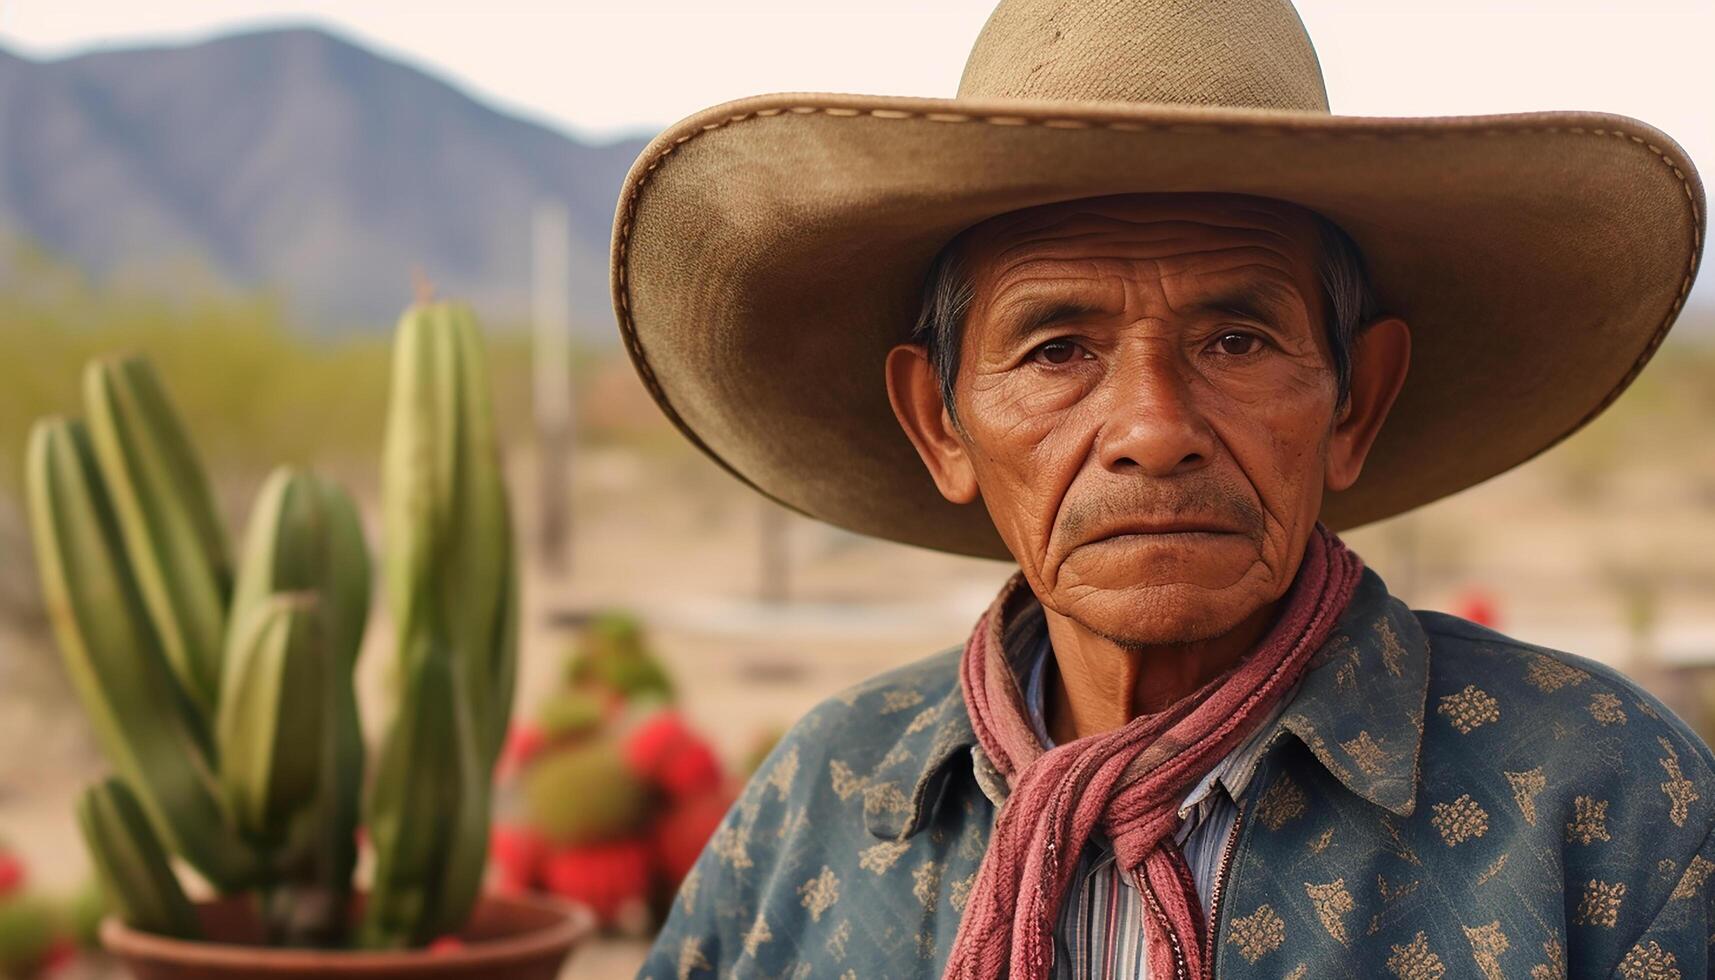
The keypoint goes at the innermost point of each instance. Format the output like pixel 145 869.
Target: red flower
pixel 523 742
pixel 610 878
pixel 518 852
pixel 667 754
pixel 60 956
pixel 1478 606
pixel 683 831
pixel 11 874
pixel 445 945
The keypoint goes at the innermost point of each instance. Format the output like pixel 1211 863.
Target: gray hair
pixel 1349 299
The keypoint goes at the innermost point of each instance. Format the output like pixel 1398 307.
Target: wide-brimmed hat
pixel 768 252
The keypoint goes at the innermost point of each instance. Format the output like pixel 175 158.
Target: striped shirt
pixel 1100 933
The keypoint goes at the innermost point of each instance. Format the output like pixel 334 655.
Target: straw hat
pixel 767 252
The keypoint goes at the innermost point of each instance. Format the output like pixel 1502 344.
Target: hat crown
pixel 1239 53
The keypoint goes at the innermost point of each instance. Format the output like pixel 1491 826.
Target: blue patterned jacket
pixel 1439 800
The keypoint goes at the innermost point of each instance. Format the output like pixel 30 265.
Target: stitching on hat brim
pixel 634 190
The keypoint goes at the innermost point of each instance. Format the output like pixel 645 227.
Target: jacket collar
pixel 919 764
pixel 1359 710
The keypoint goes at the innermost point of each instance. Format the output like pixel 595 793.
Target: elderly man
pixel 1166 308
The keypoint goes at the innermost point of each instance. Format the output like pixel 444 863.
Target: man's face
pixel 1147 396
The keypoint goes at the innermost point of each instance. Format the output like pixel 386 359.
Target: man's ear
pixel 1381 354
pixel 914 390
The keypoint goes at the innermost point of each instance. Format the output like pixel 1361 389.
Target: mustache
pixel 1203 501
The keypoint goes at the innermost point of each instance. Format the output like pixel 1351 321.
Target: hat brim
pixel 768 252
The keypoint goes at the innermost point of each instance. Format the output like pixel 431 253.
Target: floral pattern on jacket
pixel 1439 800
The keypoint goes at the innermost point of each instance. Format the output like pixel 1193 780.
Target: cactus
pixel 130 863
pixel 568 715
pixel 449 566
pixel 172 538
pixel 27 934
pixel 305 539
pixel 305 535
pixel 226 704
pixel 585 793
pixel 611 656
pixel 149 727
pixel 451 581
pixel 83 913
pixel 429 801
pixel 270 715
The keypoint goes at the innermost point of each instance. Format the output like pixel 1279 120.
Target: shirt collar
pixel 1358 708
pixel 1232 773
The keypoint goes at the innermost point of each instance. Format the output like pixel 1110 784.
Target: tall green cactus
pixel 449 559
pixel 452 586
pixel 227 704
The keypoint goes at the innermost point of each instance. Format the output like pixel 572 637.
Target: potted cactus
pixel 222 692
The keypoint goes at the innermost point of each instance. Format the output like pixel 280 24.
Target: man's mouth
pixel 1163 529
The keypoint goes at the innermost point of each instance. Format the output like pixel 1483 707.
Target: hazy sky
pixel 604 68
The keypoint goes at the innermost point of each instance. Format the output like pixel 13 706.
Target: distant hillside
pixel 295 161
pixel 298 162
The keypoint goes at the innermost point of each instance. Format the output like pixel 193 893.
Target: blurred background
pixel 250 191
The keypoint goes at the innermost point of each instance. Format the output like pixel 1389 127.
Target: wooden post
pixel 774 581
pixel 551 361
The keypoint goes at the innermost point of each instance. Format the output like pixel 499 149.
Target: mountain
pixel 298 162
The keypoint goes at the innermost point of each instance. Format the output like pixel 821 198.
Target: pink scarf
pixel 1128 782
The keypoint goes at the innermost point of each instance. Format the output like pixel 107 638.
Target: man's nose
pixel 1153 425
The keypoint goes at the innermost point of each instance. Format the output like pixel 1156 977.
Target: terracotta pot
pixel 527 938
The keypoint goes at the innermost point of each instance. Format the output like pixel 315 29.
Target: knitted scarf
pixel 1127 782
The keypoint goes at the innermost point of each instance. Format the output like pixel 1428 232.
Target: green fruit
pixel 583 794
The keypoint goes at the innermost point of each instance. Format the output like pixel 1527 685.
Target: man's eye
pixel 1238 343
pixel 1056 352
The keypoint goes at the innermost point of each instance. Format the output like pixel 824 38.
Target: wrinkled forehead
pixel 1189 232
